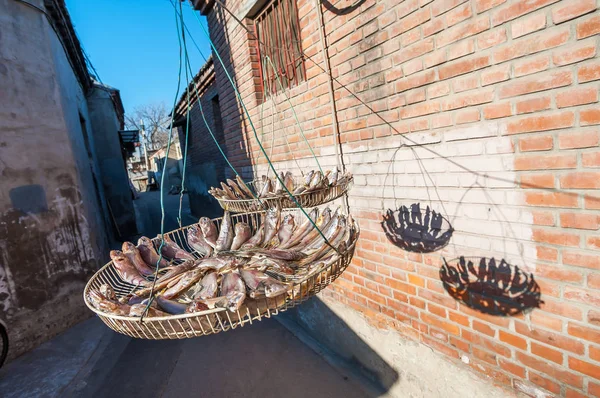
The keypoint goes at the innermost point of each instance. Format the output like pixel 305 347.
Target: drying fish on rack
pixel 279 186
pixel 239 263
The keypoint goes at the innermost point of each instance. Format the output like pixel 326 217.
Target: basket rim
pixel 139 319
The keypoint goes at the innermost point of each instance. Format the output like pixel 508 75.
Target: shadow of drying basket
pixel 490 287
pixel 218 320
pixel 416 230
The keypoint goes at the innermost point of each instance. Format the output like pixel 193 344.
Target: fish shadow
pixel 492 287
pixel 415 230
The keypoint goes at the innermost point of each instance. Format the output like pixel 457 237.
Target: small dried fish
pixel 279 184
pixel 206 288
pixel 236 189
pixel 133 254
pixel 322 220
pixel 197 242
pixel 302 230
pixel 171 306
pixel 221 263
pixel 257 238
pixel 107 291
pixel 209 231
pixel 288 181
pixel 225 234
pixel 308 177
pixel 228 191
pixel 232 286
pixel 261 284
pixel 126 269
pixel 188 279
pixel 286 229
pixel 333 177
pixel 266 189
pixel 139 309
pixel 172 249
pixel 242 234
pixel 149 254
pixel 248 193
pixel 174 274
pixel 299 190
pixel 104 304
pixel 271 224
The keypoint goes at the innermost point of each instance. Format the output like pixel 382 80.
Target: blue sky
pixel 133 46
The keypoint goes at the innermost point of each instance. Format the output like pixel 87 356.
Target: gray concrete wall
pixel 52 236
pixel 107 150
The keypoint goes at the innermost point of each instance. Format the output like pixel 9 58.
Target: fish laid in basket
pixel 311 189
pixel 253 264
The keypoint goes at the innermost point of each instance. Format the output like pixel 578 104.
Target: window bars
pixel 278 30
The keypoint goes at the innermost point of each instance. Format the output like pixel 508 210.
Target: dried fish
pixel 248 193
pixel 104 304
pixel 302 230
pixel 171 306
pixel 266 189
pixel 286 229
pixel 228 191
pixel 333 177
pixel 209 231
pixel 188 279
pixel 225 234
pixel 196 241
pixel 232 287
pixel 242 234
pixel 288 181
pixel 139 309
pixel 271 224
pixel 260 284
pixel 257 238
pixel 236 189
pixel 308 177
pixel 126 269
pixel 149 254
pixel 207 287
pixel 133 254
pixel 172 250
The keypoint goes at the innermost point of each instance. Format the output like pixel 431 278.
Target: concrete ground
pixel 90 360
pixel 148 213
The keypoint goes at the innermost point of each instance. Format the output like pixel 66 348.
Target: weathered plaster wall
pixel 107 150
pixel 47 252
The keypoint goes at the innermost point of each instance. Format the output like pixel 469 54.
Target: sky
pixel 133 46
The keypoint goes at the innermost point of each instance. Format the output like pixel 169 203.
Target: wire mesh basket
pixel 216 320
pixel 306 199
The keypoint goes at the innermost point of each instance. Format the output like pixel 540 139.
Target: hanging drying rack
pixel 284 201
pixel 217 320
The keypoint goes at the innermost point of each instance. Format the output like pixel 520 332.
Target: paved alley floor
pixel 90 360
pixel 148 212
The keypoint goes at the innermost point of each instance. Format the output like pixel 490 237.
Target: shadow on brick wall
pixel 492 287
pixel 417 230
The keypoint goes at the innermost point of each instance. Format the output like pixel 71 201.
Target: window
pixel 279 47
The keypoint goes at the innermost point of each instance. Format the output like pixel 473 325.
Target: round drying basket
pixel 217 320
pixel 307 199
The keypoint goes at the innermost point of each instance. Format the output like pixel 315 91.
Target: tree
pixel 156 119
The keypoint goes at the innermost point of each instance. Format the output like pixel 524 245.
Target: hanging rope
pixel 239 97
pixel 162 182
pixel 266 57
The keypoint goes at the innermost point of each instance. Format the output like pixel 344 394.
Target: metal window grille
pixel 278 30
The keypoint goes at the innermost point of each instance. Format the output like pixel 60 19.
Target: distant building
pixel 64 195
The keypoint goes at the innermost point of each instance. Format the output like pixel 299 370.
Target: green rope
pixel 293 111
pixel 239 96
pixel 189 68
pixel 162 184
pixel 187 119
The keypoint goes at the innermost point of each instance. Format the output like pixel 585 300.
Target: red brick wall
pixel 502 99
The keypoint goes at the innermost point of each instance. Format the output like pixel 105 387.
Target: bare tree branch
pixel 156 123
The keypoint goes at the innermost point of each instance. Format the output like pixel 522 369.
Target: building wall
pixel 52 236
pixel 113 172
pixel 492 114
